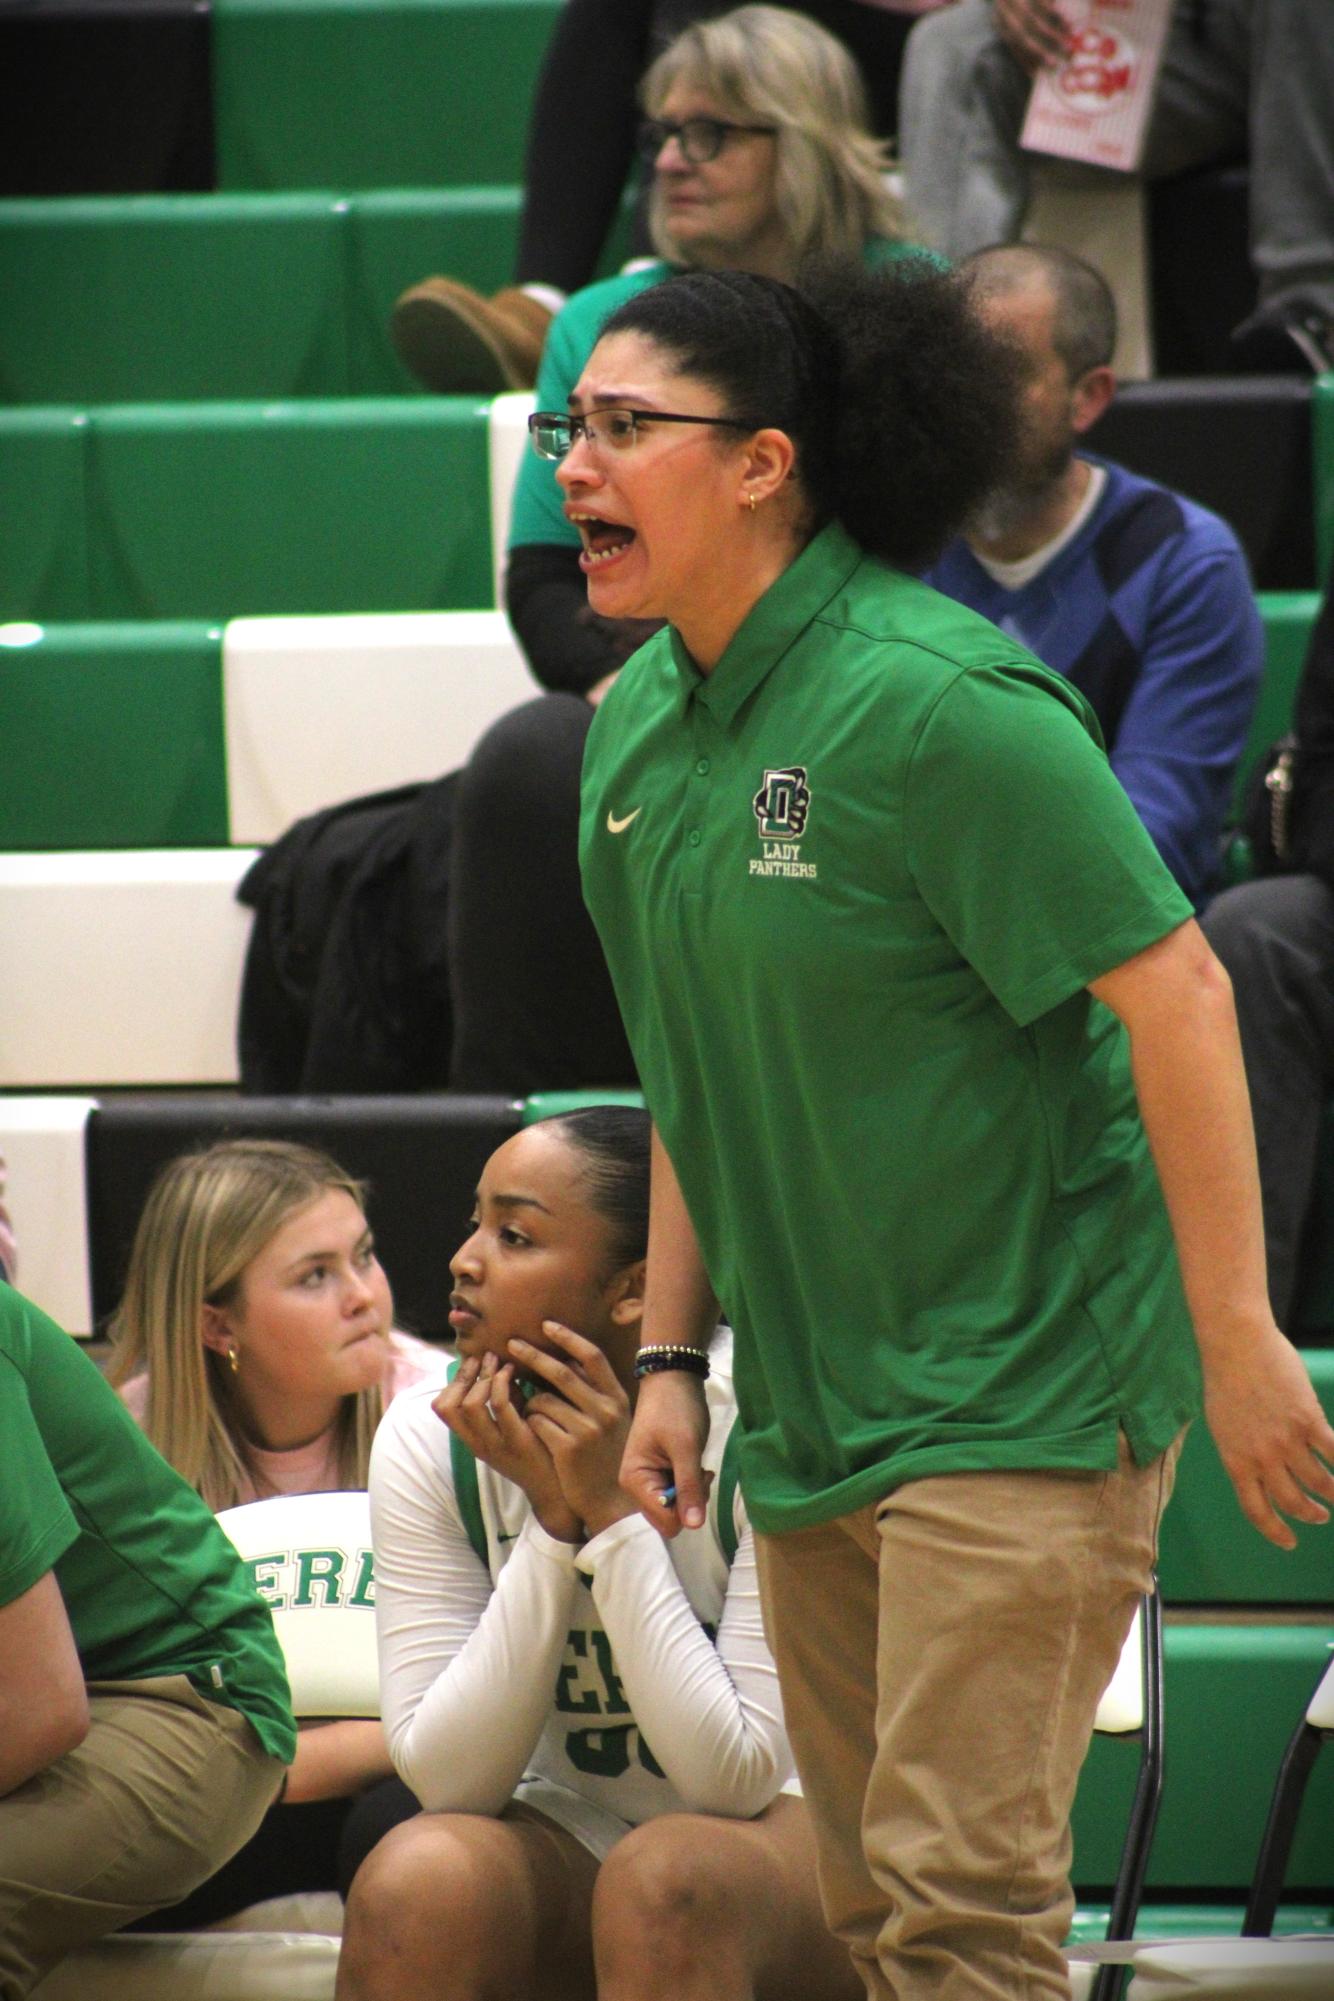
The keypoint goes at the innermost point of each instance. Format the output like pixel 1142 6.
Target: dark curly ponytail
pixel 901 402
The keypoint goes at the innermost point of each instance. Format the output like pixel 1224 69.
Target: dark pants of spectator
pixel 533 1003
pixel 1276 938
pixel 318 1845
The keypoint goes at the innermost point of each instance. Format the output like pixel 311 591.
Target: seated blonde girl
pixel 255 1345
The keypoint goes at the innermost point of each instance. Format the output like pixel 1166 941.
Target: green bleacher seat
pixel 166 298
pixel 395 237
pixel 556 1104
pixel 44 549
pixel 161 735
pixel 1233 1695
pixel 1322 447
pixel 374 93
pixel 1288 617
pixel 1162 1919
pixel 151 296
pixel 114 737
pixel 1210 1554
pixel 215 510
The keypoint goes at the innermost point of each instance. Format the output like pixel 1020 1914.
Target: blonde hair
pixel 207 1216
pixel 769 66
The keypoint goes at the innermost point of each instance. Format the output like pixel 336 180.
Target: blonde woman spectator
pixel 255 1342
pixel 255 1345
pixel 456 340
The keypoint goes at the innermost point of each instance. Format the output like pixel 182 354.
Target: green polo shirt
pixel 852 887
pixel 536 508
pixel 151 1584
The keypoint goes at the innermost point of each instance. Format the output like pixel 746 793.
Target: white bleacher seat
pixel 197 1966
pixel 120 967
pixel 318 709
pixel 1320 1709
pixel 1235 1969
pixel 508 443
pixel 1121 1711
pixel 1131 1707
pixel 1087 1962
pixel 41 1139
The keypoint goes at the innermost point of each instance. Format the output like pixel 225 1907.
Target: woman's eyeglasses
pixel 553 433
pixel 700 139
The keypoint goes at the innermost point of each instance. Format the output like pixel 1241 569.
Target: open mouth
pixel 602 540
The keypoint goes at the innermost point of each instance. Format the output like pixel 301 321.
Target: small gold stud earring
pixel 752 503
pixel 234 1359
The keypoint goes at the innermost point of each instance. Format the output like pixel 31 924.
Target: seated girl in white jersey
pixel 589 1716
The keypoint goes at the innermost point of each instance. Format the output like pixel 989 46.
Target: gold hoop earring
pixel 233 1358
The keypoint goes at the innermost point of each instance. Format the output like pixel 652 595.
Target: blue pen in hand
pixel 668 1496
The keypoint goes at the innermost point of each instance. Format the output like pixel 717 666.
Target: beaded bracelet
pixel 657 1355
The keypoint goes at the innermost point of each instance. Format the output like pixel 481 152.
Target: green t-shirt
pixel 151 1584
pixel 852 887
pixel 536 509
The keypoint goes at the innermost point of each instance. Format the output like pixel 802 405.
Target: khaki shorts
pixel 164 1788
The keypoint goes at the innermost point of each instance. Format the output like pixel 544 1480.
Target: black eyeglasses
pixel 700 139
pixel 553 433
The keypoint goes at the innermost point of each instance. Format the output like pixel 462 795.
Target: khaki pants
pixel 163 1789
pixel 942 1656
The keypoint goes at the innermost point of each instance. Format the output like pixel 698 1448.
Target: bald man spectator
pixel 1139 596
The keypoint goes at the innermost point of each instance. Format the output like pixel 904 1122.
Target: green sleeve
pixel 1024 844
pixel 37 1524
pixel 882 250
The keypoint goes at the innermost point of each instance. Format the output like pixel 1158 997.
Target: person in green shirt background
pixel 145 1719
pixel 950 1110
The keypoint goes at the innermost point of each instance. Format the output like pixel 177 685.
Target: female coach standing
pixel 912 997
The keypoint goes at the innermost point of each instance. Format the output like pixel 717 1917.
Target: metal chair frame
pixel 1285 1806
pixel 1128 1890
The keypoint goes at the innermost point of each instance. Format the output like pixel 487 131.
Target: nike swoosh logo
pixel 615 826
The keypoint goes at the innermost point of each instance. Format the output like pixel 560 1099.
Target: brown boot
pixel 457 343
